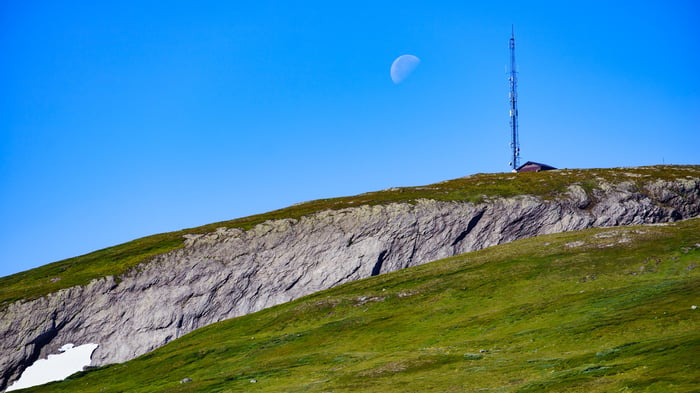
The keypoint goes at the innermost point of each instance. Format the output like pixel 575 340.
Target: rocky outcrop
pixel 231 272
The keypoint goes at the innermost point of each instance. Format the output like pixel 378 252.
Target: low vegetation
pixel 601 310
pixel 119 259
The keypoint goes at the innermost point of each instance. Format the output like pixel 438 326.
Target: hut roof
pixel 532 166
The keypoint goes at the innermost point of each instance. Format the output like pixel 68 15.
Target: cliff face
pixel 231 272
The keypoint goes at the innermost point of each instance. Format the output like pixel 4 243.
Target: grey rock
pixel 231 272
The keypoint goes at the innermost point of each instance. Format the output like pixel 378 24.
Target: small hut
pixel 531 166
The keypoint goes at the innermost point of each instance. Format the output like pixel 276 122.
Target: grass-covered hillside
pixel 119 259
pixel 602 310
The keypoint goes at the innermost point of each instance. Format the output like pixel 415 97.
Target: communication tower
pixel 513 80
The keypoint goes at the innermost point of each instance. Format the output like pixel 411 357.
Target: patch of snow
pixel 56 367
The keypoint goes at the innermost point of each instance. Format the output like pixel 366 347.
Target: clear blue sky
pixel 124 119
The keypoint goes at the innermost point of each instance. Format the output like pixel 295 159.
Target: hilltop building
pixel 532 166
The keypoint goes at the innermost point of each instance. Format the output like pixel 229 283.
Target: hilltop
pixel 139 296
pixel 477 188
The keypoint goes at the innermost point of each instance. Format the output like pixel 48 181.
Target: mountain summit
pixel 139 296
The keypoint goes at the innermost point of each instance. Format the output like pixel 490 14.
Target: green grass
pixel 546 314
pixel 119 259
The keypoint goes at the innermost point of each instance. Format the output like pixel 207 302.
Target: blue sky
pixel 125 119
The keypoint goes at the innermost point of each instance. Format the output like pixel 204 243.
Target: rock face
pixel 231 272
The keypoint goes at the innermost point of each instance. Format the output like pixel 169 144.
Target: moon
pixel 402 67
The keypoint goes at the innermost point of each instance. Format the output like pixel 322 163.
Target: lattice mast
pixel 513 79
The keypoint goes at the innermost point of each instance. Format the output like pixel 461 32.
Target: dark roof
pixel 532 166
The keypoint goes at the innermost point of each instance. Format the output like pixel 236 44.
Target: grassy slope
pixel 600 310
pixel 119 259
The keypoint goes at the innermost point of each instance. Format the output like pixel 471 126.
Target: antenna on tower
pixel 513 79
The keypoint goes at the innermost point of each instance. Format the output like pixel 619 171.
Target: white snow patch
pixel 56 367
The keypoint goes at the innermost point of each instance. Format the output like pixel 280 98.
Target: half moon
pixel 402 67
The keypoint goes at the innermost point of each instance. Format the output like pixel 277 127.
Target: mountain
pixel 599 310
pixel 135 297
